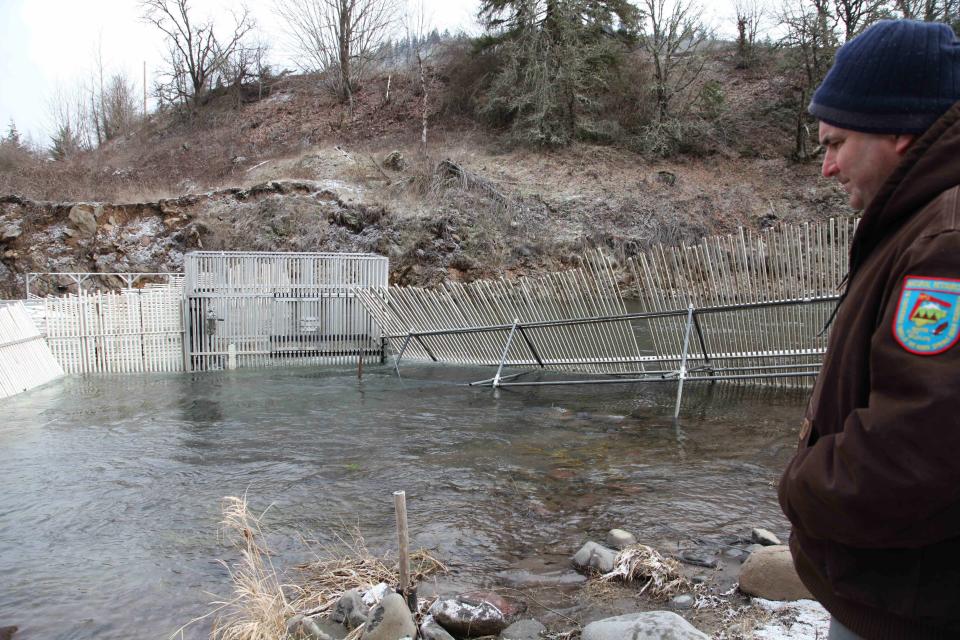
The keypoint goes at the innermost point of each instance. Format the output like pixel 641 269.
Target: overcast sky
pixel 46 44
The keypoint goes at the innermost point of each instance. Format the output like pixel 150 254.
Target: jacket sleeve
pixel 891 477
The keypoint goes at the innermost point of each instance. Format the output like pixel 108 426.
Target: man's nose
pixel 829 167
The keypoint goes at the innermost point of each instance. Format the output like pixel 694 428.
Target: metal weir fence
pixel 805 264
pixel 749 306
pixel 132 331
pixel 25 359
pixel 246 309
pixel 469 323
pixel 693 362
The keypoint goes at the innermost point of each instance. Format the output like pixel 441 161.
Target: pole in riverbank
pixel 405 589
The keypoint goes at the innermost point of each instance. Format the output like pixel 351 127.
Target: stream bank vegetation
pixel 265 599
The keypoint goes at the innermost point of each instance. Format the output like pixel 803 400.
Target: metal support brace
pixel 396 363
pixel 425 348
pixel 533 349
pixel 682 374
pixel 489 381
pixel 506 349
pixel 703 343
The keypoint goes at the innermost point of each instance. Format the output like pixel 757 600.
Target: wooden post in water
pixel 409 593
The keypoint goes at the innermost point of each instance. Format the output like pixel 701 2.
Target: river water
pixel 111 485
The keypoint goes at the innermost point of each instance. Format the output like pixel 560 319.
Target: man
pixel 873 492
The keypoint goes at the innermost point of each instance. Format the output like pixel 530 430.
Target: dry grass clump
pixel 348 564
pixel 259 608
pixel 640 562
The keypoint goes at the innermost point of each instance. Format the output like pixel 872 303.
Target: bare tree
pixel 194 50
pixel 417 26
pixel 810 42
pixel 338 36
pixel 71 118
pixel 929 10
pixel 674 41
pixel 854 15
pixel 119 111
pixel 245 64
pixel 750 15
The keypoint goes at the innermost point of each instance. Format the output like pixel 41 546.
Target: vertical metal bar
pixel 683 361
pixel 396 363
pixel 506 349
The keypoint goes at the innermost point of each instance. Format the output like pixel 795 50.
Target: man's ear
pixel 903 142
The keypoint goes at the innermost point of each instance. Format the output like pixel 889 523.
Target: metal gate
pixel 246 309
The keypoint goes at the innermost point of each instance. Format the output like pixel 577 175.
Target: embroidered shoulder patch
pixel 928 315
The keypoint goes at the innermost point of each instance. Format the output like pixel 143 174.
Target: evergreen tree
pixel 65 142
pixel 13 136
pixel 557 57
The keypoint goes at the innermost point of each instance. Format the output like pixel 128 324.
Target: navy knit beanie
pixel 898 76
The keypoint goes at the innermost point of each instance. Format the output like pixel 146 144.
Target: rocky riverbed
pixel 626 590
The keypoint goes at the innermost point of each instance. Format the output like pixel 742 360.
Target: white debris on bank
pixel 797 620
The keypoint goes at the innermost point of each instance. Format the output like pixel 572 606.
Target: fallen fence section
pixel 247 309
pixel 132 331
pixel 694 362
pixel 25 359
pixel 469 323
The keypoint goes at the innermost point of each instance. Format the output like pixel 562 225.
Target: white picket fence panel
pixel 133 331
pixel 25 359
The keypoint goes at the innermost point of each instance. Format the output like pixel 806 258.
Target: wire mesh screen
pixel 248 309
pixel 802 263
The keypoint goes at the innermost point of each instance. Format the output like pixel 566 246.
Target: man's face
pixel 862 162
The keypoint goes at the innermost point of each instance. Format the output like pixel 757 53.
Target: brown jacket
pixel 873 492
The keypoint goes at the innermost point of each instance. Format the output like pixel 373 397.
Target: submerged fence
pixel 25 358
pixel 435 324
pixel 261 309
pixel 132 331
pixel 745 306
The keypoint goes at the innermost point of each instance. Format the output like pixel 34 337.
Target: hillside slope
pixel 294 170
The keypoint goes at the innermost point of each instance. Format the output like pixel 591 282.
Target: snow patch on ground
pixel 797 620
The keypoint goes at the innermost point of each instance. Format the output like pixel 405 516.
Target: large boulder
pixel 9 233
pixel 83 218
pixel 509 607
pixel 620 539
pixel 593 556
pixel 769 573
pixel 529 629
pixel 303 628
pixel 470 617
pixel 765 537
pixel 350 609
pixel 652 625
pixel 390 620
pixel 430 630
